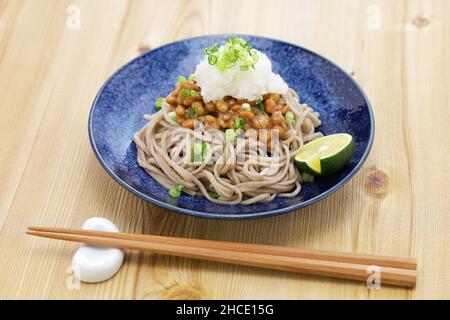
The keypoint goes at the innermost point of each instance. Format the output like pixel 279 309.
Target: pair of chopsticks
pixel 392 270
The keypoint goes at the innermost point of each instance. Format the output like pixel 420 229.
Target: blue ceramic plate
pixel 117 113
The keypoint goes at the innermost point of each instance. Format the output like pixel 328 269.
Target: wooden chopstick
pixel 356 258
pixel 330 268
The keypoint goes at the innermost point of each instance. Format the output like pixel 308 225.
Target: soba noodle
pixel 240 173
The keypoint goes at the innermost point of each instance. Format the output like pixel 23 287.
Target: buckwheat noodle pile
pixel 163 147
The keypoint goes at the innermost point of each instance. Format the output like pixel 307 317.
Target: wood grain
pixel 396 205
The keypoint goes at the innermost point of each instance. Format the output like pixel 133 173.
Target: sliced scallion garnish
pixel 158 103
pixel 199 151
pixel 175 191
pixel 230 135
pixel 290 117
pixel 239 123
pixel 246 107
pixel 213 194
pixel 260 104
pixel 307 177
pixel 212 59
pixel 172 116
pixel 212 49
pixel 186 93
pixel 235 49
pixel 192 113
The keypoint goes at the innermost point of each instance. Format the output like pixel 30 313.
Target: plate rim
pixel 233 216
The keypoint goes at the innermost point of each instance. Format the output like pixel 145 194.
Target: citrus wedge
pixel 325 155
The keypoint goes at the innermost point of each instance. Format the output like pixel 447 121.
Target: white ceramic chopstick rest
pixel 94 263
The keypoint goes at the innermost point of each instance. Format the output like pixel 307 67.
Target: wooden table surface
pixel 52 65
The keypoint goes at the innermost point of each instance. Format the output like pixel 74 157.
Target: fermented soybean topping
pixel 270 112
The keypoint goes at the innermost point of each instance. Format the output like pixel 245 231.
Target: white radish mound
pixel 250 84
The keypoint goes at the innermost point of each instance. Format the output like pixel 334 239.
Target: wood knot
pixel 420 22
pixel 143 49
pixel 181 292
pixel 377 183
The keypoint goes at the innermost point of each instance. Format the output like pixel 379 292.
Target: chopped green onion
pixel 192 93
pixel 211 50
pixel 181 79
pixel 260 104
pixel 196 151
pixel 186 93
pixel 158 103
pixel 175 191
pixel 213 194
pixel 290 117
pixel 307 177
pixel 239 123
pixel 234 50
pixel 172 116
pixel 192 113
pixel 199 151
pixel 205 149
pixel 212 60
pixel 230 135
pixel 191 77
pixel 255 57
pixel 246 107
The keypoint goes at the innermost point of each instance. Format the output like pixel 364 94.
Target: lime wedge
pixel 325 155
